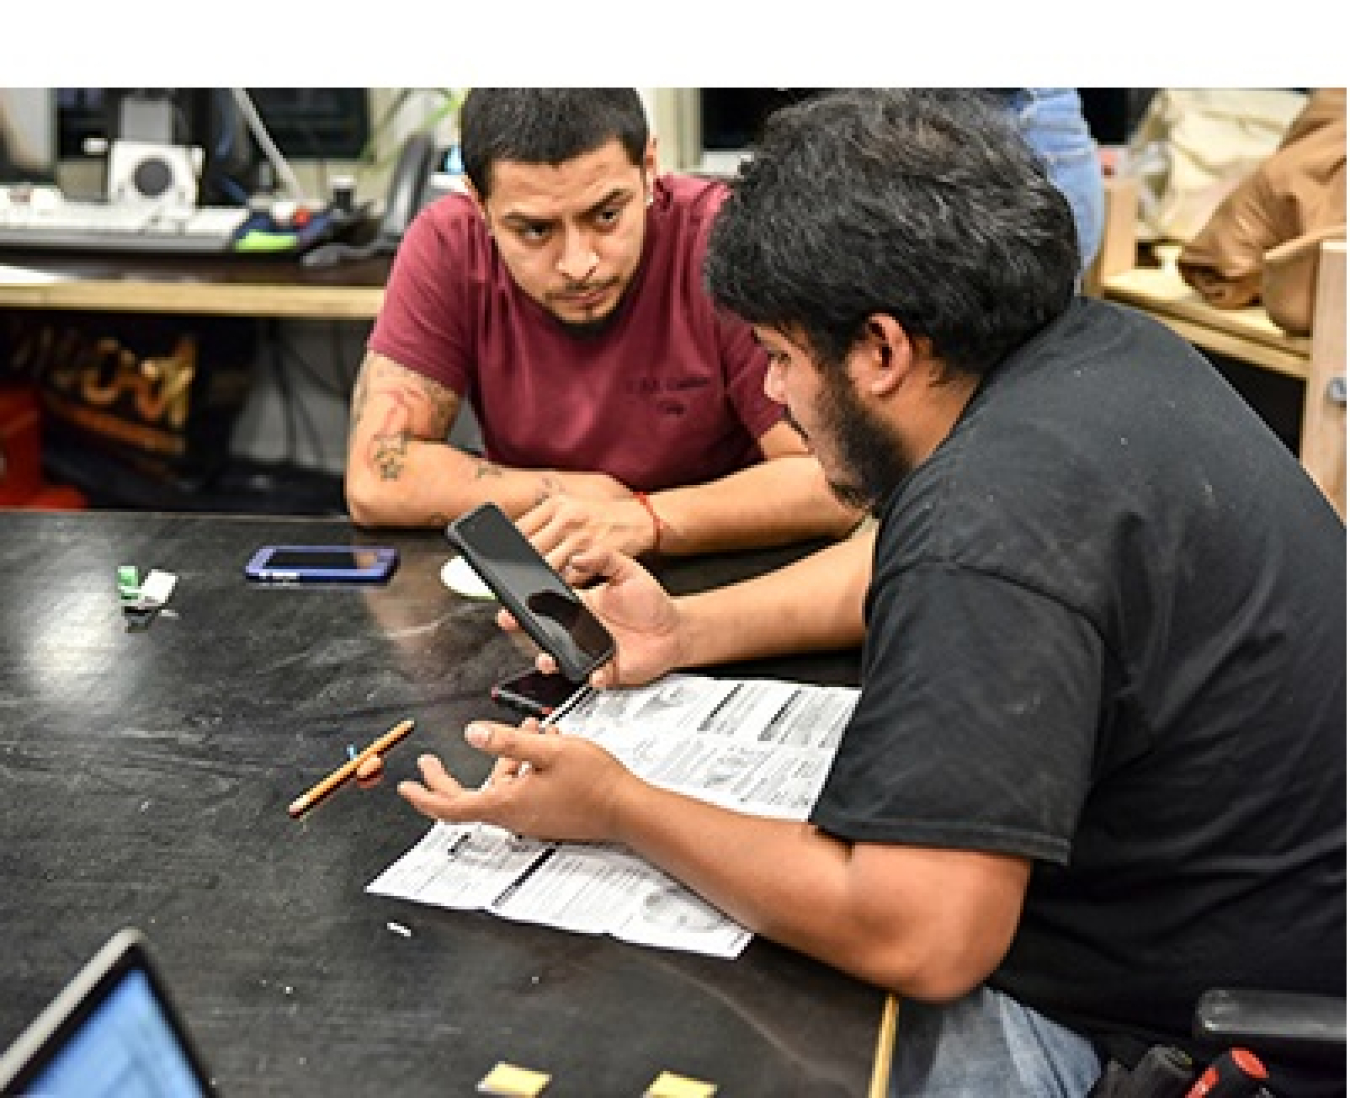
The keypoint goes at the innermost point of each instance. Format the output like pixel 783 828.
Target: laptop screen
pixel 112 1031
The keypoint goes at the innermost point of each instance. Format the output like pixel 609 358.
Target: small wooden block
pixel 508 1081
pixel 670 1085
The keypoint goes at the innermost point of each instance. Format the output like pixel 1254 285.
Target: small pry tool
pixel 142 601
pixel 128 583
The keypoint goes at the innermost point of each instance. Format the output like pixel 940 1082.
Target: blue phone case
pixel 322 564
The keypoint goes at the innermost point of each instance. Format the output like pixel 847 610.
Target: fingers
pixel 369 773
pixel 521 745
pixel 606 675
pixel 503 770
pixel 566 531
pixel 601 562
pixel 559 558
pixel 568 558
pixel 573 573
pixel 534 519
pixel 435 777
pixel 549 535
pixel 438 795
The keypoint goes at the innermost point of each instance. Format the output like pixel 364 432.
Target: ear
pixel 649 167
pixel 888 359
pixel 477 199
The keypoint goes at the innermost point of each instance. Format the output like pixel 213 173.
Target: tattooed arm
pixel 402 472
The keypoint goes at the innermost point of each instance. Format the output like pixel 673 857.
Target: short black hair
pixel 546 126
pixel 923 204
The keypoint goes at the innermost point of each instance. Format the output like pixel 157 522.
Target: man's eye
pixel 607 219
pixel 532 234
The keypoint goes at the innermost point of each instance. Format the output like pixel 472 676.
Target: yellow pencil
pixel 311 797
pixel 881 1062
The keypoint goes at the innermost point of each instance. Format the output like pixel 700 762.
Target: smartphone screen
pixel 322 564
pixel 538 598
pixel 535 694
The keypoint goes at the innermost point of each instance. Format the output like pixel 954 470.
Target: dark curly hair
pixel 923 204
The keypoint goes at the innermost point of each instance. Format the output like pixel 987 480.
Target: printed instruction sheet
pixel 761 746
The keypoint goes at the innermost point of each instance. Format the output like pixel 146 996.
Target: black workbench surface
pixel 144 779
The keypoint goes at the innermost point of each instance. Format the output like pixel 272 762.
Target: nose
pixel 578 257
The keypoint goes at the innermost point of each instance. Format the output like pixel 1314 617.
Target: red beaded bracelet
pixel 658 526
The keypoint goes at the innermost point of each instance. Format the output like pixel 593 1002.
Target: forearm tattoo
pixel 404 396
pixel 389 454
pixel 389 444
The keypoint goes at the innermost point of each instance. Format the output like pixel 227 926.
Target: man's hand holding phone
pixel 636 611
pixel 538 598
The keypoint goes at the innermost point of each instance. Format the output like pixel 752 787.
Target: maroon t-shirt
pixel 671 393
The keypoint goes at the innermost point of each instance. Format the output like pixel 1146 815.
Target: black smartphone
pixel 322 564
pixel 538 598
pixel 535 694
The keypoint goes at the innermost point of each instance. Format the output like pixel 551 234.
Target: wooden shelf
pixel 1247 334
pixel 233 287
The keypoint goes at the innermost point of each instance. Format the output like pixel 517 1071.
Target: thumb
pixel 601 562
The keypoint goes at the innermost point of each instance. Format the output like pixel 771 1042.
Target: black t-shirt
pixel 1106 631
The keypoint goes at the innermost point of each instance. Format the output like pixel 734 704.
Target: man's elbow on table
pixel 365 503
pixel 373 502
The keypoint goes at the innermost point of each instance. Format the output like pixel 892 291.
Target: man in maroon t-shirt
pixel 563 298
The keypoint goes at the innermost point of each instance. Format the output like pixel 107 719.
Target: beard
pixel 590 328
pixel 869 456
pixel 587 329
pixel 597 324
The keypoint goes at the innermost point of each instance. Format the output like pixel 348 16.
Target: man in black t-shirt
pixel 1098 760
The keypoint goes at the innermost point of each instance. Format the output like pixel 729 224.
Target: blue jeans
pixel 1051 120
pixel 987 1044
